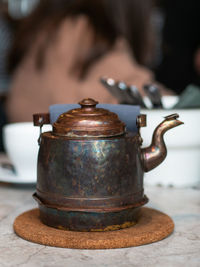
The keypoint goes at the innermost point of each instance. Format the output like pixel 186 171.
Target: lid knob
pixel 88 103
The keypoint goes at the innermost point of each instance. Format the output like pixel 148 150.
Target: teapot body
pixel 90 184
pixel 90 170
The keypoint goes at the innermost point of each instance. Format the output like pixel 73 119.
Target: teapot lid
pixel 88 121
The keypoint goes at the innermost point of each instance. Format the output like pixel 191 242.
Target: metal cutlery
pixel 137 96
pixel 154 95
pixel 110 84
pixel 125 94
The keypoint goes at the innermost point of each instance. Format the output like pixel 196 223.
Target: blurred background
pixel 56 51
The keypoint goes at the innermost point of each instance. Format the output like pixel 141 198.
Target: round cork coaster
pixel 152 226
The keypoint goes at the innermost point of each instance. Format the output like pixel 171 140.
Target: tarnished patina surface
pixel 89 220
pixel 96 169
pixel 90 178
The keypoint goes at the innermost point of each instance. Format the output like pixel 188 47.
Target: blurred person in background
pixel 63 47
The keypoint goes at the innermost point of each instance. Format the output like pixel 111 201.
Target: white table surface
pixel 182 248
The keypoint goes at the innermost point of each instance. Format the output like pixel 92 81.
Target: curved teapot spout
pixel 153 155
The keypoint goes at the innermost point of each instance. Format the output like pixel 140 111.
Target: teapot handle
pixel 40 119
pixel 141 121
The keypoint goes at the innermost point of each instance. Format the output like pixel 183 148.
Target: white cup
pixel 20 141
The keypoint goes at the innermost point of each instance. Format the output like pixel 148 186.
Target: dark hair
pixel 110 19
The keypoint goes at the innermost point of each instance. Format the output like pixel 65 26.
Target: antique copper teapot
pixel 90 169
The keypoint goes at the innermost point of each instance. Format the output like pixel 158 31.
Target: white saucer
pixel 8 176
